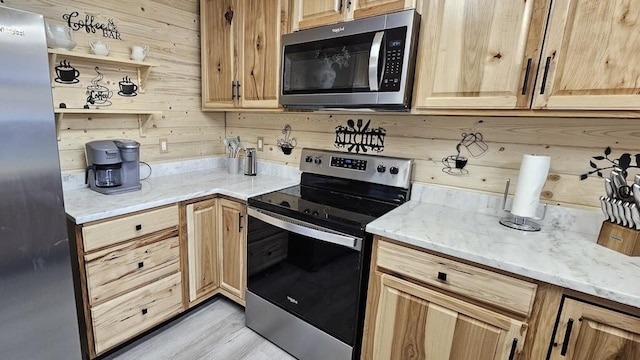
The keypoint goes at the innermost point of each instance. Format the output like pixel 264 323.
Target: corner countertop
pixel 85 205
pixel 557 254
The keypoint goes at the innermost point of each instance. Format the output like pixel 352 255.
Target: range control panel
pixel 348 163
pixel 377 169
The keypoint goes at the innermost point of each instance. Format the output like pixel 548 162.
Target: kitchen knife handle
pixel 526 77
pixel 546 72
pixel 240 216
pixel 567 335
pixel 514 345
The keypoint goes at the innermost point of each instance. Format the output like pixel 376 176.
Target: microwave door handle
pixel 374 55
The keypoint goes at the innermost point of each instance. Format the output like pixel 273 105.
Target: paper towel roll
pixel 533 174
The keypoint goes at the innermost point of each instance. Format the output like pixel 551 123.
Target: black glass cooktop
pixel 331 209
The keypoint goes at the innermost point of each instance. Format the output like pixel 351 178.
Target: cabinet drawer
pixel 128 315
pixel 126 266
pixel 118 230
pixel 472 282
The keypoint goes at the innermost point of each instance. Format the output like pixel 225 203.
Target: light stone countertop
pixel 85 205
pixel 558 254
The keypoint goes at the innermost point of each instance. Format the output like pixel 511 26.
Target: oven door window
pixel 312 279
pixel 339 65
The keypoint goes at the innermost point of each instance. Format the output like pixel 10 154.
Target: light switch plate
pixel 164 146
pixel 260 143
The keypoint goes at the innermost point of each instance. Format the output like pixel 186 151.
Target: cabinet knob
pixel 140 264
pixel 442 276
pixel 144 311
pixel 138 227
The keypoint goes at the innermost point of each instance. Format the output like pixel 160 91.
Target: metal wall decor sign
pixel 98 95
pixel 471 143
pixel 91 25
pixel 359 137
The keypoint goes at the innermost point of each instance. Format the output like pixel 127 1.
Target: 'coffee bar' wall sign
pixel 91 25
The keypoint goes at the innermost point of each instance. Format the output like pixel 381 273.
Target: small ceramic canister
pixel 138 53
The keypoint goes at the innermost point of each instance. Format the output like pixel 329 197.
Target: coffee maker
pixel 113 166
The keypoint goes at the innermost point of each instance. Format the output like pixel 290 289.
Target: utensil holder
pixel 619 238
pixel 233 165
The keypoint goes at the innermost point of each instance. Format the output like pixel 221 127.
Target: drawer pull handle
pixel 567 335
pixel 514 344
pixel 140 264
pixel 144 311
pixel 526 77
pixel 546 73
pixel 442 276
pixel 240 222
pixel 138 227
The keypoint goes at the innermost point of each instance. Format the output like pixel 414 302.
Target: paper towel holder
pixel 521 223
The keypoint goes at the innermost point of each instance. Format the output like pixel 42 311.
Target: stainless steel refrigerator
pixel 38 318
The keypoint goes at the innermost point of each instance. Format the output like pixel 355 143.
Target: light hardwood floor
pixel 214 330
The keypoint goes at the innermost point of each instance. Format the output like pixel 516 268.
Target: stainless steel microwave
pixel 366 63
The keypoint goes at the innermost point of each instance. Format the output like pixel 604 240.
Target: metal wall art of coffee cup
pixel 287 144
pixel 473 144
pixel 98 94
pixel 65 73
pixel 127 87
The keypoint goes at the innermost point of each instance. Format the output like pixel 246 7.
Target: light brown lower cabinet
pixel 414 322
pixel 421 305
pixel 216 243
pixel 590 332
pixel 130 274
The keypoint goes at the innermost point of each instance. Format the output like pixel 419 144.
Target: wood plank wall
pixel 171 29
pixel 571 142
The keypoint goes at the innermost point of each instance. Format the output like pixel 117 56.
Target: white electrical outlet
pixel 164 147
pixel 260 143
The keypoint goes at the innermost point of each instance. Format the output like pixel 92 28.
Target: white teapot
pixel 138 52
pixel 59 36
pixel 99 48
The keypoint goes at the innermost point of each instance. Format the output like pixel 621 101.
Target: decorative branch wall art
pixel 473 144
pixel 287 144
pixel 623 162
pixel 357 137
pixel 91 25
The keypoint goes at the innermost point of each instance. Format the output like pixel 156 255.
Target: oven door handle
pixel 374 55
pixel 285 223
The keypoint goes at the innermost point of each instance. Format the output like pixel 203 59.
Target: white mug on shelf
pixel 99 48
pixel 138 52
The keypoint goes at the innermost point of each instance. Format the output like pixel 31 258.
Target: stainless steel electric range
pixel 308 253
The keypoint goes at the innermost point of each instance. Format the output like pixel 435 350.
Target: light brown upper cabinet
pixel 241 52
pixel 591 56
pixel 486 55
pixel 478 54
pixel 312 13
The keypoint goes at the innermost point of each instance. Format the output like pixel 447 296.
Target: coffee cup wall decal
pixel 98 94
pixel 287 144
pixel 127 87
pixel 66 74
pixel 472 143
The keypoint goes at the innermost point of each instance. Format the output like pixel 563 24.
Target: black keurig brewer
pixel 113 167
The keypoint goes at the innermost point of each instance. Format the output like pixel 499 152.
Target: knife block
pixel 619 238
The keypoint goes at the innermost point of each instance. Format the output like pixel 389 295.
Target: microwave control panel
pixel 393 59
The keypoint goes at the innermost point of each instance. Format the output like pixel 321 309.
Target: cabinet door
pixel 413 322
pixel 262 26
pixel 366 8
pixel 202 248
pixel 218 19
pixel 232 238
pixel 478 54
pixel 589 332
pixel 312 13
pixel 590 57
